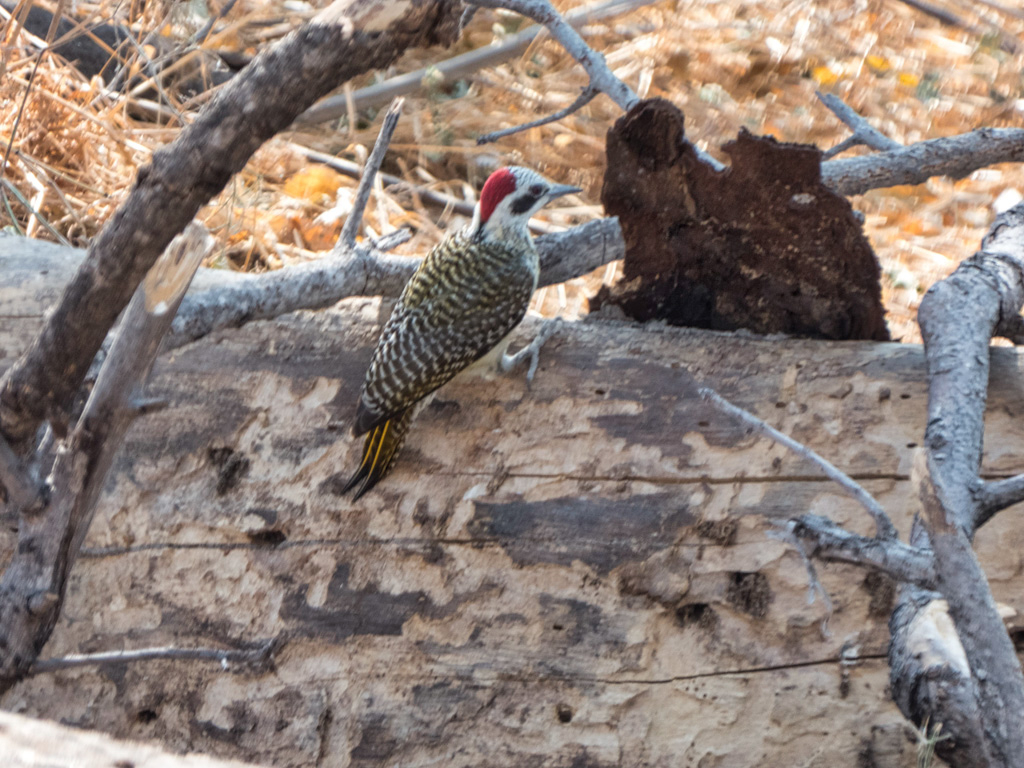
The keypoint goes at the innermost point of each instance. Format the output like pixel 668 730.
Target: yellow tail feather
pixel 382 444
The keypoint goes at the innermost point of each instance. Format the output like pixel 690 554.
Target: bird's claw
pixel 531 351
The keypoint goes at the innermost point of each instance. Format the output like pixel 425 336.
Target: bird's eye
pixel 537 190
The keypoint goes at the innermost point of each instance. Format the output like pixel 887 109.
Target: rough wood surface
pixel 30 743
pixel 576 574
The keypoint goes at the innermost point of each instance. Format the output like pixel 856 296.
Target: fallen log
pixel 578 573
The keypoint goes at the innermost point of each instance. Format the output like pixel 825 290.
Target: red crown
pixel 499 184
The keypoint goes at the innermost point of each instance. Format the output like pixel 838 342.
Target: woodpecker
pixel 459 308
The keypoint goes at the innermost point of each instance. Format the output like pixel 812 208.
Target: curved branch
pixel 345 39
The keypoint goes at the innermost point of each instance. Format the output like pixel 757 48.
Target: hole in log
pixel 231 468
pixel 146 715
pixel 696 614
pixel 1017 638
pixel 564 713
pixel 749 593
pixel 268 538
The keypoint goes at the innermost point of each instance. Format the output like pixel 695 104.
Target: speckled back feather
pixel 467 295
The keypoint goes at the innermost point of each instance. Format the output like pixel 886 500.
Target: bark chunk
pixel 763 245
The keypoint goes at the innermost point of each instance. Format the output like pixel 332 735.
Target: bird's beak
pixel 558 190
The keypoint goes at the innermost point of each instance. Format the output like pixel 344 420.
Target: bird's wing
pixel 451 314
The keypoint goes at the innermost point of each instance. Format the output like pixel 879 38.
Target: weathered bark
pixel 344 40
pixel 578 572
pixel 958 318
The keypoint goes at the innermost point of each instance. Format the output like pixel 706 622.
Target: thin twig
pixel 586 96
pixel 259 657
pixel 203 32
pixel 863 132
pixel 884 529
pixel 347 239
pixel 814 585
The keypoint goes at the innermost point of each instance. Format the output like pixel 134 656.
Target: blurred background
pixel 73 140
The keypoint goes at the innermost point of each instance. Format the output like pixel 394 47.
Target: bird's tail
pixel 382 444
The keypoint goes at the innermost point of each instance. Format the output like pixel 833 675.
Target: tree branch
pixel 930 677
pixel 228 300
pixel 586 96
pixel 14 479
pixel 890 556
pixel 958 318
pixel 259 657
pixel 863 132
pixel 953 156
pixel 343 40
pixel 990 653
pixel 995 496
pixel 601 77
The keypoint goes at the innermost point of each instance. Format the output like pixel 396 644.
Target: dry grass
pixel 728 64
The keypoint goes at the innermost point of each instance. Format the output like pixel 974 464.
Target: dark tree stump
pixel 763 245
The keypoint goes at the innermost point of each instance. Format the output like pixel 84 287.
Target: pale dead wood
pixel 340 42
pixel 29 743
pixel 585 543
pixel 34 584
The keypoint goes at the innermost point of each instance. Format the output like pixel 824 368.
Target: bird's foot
pixel 531 351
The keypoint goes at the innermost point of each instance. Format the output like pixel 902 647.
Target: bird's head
pixel 509 198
